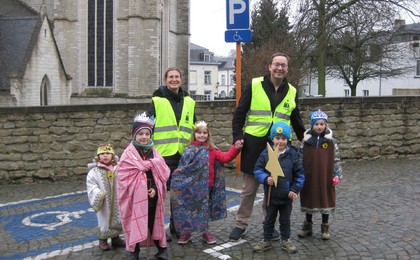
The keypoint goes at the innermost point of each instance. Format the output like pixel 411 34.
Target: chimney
pixel 398 23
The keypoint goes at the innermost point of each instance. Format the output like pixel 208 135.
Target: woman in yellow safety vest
pixel 175 116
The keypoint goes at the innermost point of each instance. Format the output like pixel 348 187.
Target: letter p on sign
pixel 237 14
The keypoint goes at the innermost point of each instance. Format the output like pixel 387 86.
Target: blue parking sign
pixel 237 14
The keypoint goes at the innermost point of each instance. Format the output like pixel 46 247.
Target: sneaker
pixel 236 234
pixel 288 246
pixel 209 238
pixel 103 245
pixel 276 235
pixel 262 246
pixel 184 238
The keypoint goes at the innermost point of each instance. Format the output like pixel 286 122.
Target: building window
pixel 365 93
pixel 347 93
pixel 418 68
pixel 232 79
pixel 207 77
pixel 222 94
pixel 223 80
pixel 207 94
pixel 100 43
pixel 206 57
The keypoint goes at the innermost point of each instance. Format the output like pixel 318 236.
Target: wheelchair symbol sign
pixel 238 36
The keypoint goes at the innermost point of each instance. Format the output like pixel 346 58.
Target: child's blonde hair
pixel 202 125
pixel 109 149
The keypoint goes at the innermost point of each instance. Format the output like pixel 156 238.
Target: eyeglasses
pixel 278 65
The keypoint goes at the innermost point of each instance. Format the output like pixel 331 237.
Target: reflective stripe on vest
pixel 168 137
pixel 260 117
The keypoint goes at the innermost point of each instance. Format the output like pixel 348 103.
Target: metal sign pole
pixel 238 96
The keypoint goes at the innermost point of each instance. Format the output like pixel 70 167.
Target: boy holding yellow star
pixel 280 170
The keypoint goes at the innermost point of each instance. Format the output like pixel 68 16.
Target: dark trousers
pixel 284 211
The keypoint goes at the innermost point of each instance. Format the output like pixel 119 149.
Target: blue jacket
pixel 293 171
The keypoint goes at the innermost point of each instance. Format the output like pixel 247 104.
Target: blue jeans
pixel 285 211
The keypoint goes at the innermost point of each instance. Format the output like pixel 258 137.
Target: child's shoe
pixel 288 246
pixel 209 238
pixel 262 246
pixel 103 244
pixel 162 254
pixel 117 242
pixel 306 229
pixel 325 234
pixel 184 238
pixel 236 234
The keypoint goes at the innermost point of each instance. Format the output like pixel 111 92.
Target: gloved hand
pixel 335 181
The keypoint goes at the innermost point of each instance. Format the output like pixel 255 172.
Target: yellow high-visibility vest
pixel 168 137
pixel 260 117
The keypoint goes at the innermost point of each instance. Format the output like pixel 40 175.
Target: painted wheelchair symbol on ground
pixel 50 220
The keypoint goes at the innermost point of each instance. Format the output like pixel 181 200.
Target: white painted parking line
pixel 214 252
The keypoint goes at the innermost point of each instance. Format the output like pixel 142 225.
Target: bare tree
pixel 358 48
pixel 322 17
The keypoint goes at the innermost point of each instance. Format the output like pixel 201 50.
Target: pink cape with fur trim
pixel 133 198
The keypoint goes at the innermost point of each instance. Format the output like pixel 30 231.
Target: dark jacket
pixel 253 146
pixel 177 102
pixel 293 171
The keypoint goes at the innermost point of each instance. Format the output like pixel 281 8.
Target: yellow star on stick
pixel 273 165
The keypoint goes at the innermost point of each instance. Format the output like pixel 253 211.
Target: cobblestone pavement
pixel 377 217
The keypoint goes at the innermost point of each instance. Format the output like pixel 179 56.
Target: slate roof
pixel 19 25
pixel 17 34
pixel 19 29
pixel 197 55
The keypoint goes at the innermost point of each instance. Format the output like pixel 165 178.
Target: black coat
pixel 253 146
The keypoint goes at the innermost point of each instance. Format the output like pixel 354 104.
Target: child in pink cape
pixel 141 183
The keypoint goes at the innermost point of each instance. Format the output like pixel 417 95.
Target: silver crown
pixel 143 118
pixel 201 123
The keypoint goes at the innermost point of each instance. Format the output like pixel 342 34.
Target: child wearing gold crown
pixel 142 177
pixel 101 191
pixel 322 165
pixel 198 192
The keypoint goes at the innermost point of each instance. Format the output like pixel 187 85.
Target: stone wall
pixel 56 142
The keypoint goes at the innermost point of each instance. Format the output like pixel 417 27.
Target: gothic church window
pixel 100 43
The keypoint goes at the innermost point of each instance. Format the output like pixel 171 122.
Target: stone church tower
pixel 118 48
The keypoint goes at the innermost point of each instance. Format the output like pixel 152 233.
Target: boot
pixel 325 234
pixel 306 229
pixel 117 242
pixel 162 253
pixel 133 255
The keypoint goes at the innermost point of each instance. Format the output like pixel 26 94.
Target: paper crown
pixel 143 118
pixel 142 121
pixel 200 124
pixel 318 115
pixel 105 149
